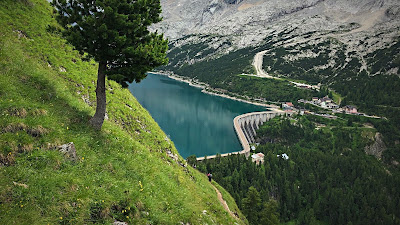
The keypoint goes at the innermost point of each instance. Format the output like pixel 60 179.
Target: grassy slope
pixel 122 172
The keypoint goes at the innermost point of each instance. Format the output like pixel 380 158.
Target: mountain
pixel 249 22
pixel 56 169
pixel 351 47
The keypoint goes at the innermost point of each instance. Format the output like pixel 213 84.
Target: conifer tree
pixel 115 34
pixel 252 205
pixel 269 214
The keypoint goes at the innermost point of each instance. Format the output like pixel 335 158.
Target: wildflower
pixel 127 217
pixel 22 206
pixel 60 217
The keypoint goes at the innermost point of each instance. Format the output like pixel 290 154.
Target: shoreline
pixel 205 89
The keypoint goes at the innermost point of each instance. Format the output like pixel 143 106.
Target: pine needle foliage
pixel 115 34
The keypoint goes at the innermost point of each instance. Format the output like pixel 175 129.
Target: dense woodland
pixel 328 178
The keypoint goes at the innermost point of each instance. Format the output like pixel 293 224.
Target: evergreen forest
pixel 328 178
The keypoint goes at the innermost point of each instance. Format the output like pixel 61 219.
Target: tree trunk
pixel 97 120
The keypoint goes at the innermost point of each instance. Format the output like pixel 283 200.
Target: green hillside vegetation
pixel 223 72
pixel 130 171
pixel 328 178
pixel 374 90
pixel 344 77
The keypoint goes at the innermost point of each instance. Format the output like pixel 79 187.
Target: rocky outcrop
pixel 68 150
pixel 377 148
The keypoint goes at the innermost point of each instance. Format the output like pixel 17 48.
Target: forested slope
pixel 328 177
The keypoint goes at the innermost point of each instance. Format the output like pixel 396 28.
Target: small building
pixel 350 109
pixel 283 156
pixel 287 106
pixel 315 100
pixel 326 99
pixel 258 158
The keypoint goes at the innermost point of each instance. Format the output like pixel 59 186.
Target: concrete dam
pixel 246 127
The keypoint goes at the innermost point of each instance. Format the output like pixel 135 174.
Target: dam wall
pixel 246 126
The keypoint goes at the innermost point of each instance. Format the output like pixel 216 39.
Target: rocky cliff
pixel 248 22
pixel 227 25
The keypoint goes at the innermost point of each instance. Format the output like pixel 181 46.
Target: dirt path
pixel 223 202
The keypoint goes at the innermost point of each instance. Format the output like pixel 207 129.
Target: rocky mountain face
pixel 352 29
pixel 249 21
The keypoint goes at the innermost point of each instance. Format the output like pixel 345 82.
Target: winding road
pixel 258 62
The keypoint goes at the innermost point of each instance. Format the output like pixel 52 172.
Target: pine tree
pixel 252 205
pixel 269 214
pixel 115 34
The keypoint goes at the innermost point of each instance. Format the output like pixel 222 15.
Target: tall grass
pixel 121 173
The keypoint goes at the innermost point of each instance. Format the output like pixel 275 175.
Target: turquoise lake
pixel 199 124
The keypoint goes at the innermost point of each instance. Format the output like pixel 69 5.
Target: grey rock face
pixel 358 27
pixel 377 148
pixel 68 150
pixel 248 22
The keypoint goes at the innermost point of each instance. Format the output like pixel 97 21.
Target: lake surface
pixel 199 124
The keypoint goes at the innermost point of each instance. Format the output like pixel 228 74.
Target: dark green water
pixel 199 124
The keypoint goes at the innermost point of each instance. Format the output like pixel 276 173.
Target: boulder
pixel 68 150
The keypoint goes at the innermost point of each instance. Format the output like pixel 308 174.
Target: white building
pixel 258 158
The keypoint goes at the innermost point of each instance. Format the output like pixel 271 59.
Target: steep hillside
pixel 130 171
pixel 328 172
